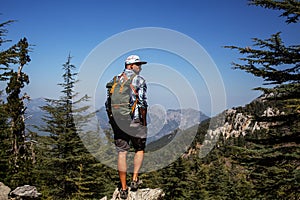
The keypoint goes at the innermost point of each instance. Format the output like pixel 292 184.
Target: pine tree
pixel 5 61
pixel 272 156
pixel 198 177
pixel 15 110
pixel 62 150
pixel 4 142
pixel 67 170
pixel 175 180
pixel 12 62
pixel 290 8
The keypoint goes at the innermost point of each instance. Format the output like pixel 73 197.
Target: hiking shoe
pixel 123 193
pixel 134 185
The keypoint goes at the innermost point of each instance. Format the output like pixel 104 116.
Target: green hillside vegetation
pixel 260 164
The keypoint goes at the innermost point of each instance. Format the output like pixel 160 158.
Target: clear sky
pixel 59 27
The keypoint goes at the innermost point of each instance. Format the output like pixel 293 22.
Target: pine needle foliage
pixel 272 155
pixel 14 141
pixel 65 163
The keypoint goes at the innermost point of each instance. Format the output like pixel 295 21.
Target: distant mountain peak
pixel 160 122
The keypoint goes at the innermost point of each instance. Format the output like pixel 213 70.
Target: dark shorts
pixel 124 134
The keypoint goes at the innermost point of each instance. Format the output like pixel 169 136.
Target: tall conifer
pixel 12 62
pixel 67 169
pixel 272 156
pixel 63 152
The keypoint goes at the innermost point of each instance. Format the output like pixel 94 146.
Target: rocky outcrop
pixel 25 192
pixel 4 191
pixel 20 193
pixel 233 124
pixel 141 194
pixel 238 123
pixel 30 192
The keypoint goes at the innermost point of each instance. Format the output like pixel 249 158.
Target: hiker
pixel 128 118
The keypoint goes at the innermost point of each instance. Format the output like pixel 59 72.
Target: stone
pixel 4 191
pixel 140 194
pixel 25 192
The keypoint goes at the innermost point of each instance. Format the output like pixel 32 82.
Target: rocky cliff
pixel 236 122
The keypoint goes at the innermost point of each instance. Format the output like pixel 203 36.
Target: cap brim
pixel 140 62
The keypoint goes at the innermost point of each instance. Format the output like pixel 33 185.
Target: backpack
pixel 118 101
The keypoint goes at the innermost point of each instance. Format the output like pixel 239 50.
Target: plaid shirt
pixel 140 86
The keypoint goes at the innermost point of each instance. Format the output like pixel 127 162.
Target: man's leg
pixel 137 163
pixel 122 168
pixel 139 144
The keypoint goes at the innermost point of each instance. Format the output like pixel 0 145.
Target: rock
pixel 4 191
pixel 25 192
pixel 238 123
pixel 140 194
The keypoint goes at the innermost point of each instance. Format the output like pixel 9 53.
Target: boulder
pixel 140 194
pixel 25 192
pixel 4 191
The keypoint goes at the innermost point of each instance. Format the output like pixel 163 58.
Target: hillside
pixel 239 154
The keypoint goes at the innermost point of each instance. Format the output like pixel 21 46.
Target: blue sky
pixel 59 27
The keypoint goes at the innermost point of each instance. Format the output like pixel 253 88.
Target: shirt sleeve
pixel 142 93
pixel 140 85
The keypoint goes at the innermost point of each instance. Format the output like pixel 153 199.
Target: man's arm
pixel 142 95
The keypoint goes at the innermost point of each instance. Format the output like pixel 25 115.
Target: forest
pixel 264 164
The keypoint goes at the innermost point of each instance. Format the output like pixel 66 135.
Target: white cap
pixel 133 59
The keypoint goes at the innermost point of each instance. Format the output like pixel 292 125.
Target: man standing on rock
pixel 126 106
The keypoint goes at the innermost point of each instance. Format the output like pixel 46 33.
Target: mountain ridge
pixel 159 124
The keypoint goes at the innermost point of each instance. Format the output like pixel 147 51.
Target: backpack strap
pixel 136 94
pixel 114 85
pixel 123 83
